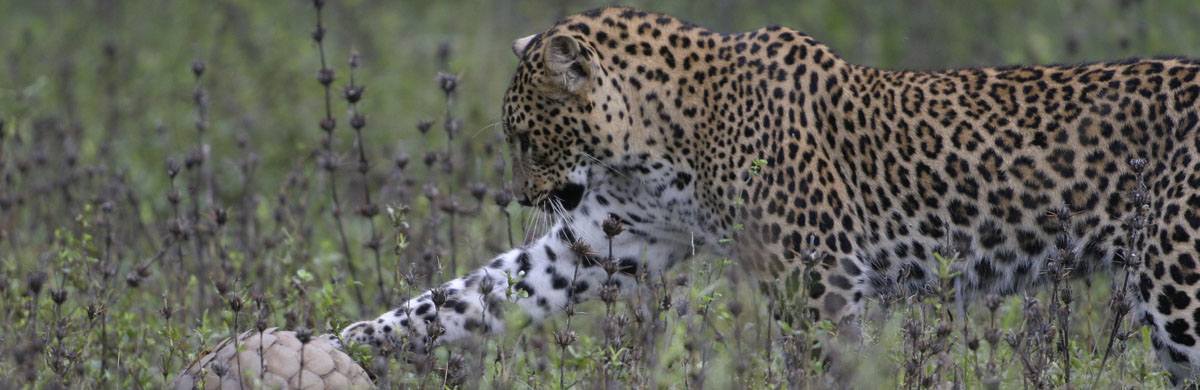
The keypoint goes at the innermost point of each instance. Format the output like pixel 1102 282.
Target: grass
pixel 176 173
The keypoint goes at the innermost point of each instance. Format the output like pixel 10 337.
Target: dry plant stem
pixel 104 288
pixel 357 122
pixel 1139 198
pixel 328 124
pixel 244 219
pixel 200 96
pixel 562 352
pixel 448 123
pixel 178 286
pixel 508 224
pixel 237 355
pixel 204 174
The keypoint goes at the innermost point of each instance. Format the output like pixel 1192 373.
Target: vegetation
pixel 172 173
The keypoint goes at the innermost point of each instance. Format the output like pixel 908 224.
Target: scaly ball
pixel 271 360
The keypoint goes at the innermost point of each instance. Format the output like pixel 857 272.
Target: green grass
pixel 96 97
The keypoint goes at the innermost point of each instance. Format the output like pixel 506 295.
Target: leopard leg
pixel 1168 282
pixel 539 279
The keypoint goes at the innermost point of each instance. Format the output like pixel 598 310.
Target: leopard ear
pixel 520 45
pixel 566 66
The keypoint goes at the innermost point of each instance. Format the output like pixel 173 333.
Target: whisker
pixel 529 224
pixel 561 213
pixel 481 129
pixel 605 165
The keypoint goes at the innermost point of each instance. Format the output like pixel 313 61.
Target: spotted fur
pixel 640 115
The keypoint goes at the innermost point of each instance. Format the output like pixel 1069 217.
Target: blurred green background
pixel 122 67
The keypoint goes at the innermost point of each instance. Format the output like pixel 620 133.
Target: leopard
pixel 832 182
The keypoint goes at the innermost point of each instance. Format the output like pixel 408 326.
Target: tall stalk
pixel 329 160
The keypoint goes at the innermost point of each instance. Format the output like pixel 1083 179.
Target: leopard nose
pixel 524 201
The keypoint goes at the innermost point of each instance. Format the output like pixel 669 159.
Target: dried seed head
pixel 486 285
pixel 401 161
pixel 94 310
pixel 174 226
pixel 1119 303
pixel 325 76
pixel 1138 165
pixel 35 282
pixel 943 330
pixel 478 191
pixel 222 286
pixel 318 34
pixel 612 326
pixel 569 310
pixel 166 312
pixel 198 68
pixel 1063 213
pixel 133 280
pixel 194 158
pixel 992 335
pixel 683 306
pixel 261 324
pixel 328 161
pixel 235 304
pixel 354 60
pixel 611 266
pixel 972 342
pixel 734 307
pixel 318 4
pixel 447 81
pixel 172 167
pixel 424 125
pixel 358 121
pixel 221 369
pixel 221 215
pixel 58 295
pixel 503 197
pixel 1134 222
pixel 434 329
pixel 304 335
pixel 430 158
pixel 1013 341
pixel 438 295
pixel 449 204
pixel 353 93
pixel 809 256
pixel 452 126
pixel 565 338
pixel 368 210
pixel 581 249
pixel 455 371
pixel 431 191
pixel 612 226
pixel 328 124
pixel 992 301
pixel 609 293
pixel 1030 303
pixel 1138 197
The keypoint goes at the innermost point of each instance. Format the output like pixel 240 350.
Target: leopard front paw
pixel 375 333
